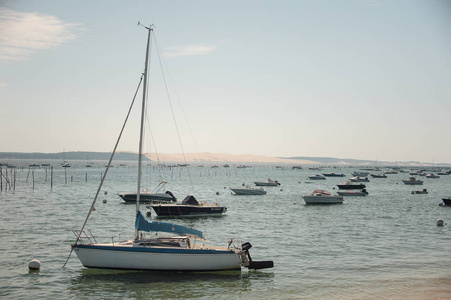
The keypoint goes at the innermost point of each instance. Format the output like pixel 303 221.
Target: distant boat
pixel 317 177
pixel 333 175
pixel 248 191
pixel 189 207
pixel 149 197
pixel 412 181
pixel 322 197
pixel 348 185
pixel 363 192
pixel 378 175
pixel 268 182
pixel 359 179
pixel 360 174
pixel 423 191
pixel 430 175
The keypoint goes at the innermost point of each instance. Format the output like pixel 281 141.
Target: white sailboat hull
pixel 132 258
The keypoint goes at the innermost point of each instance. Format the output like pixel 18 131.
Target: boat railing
pixel 85 237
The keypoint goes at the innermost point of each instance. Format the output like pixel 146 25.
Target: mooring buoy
pixel 440 222
pixel 34 264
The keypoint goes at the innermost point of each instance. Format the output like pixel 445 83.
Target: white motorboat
pixel 268 182
pixel 322 197
pixel 360 174
pixel 359 179
pixel 177 251
pixel 378 175
pixel 247 190
pixel 430 175
pixel 412 181
pixel 316 177
pixel 363 192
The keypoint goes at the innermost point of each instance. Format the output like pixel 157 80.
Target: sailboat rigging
pixel 177 251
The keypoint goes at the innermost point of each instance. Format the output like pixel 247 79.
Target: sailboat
pixel 173 248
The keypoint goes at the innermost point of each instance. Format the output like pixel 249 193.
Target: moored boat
pixel 322 197
pixel 359 179
pixel 247 190
pixel 268 182
pixel 363 192
pixel 332 174
pixel 177 251
pixel 412 181
pixel 189 207
pixel 348 185
pixel 316 177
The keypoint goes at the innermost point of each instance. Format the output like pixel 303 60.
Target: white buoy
pixel 440 222
pixel 34 264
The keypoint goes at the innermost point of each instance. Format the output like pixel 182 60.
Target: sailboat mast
pixel 141 133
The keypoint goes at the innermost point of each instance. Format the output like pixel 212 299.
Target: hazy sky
pixel 348 79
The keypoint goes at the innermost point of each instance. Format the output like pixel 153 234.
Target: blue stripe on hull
pixel 154 249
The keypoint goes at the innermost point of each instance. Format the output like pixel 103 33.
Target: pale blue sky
pixel 349 79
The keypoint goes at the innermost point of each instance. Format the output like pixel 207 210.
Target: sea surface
pixel 382 246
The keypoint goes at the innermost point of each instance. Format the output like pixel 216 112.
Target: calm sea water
pixel 383 246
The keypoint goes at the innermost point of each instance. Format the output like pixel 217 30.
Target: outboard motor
pixel 255 264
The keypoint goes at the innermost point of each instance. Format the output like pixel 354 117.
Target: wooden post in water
pixel 14 179
pixel 86 179
pixel 65 175
pixel 1 178
pixel 28 174
pixel 32 175
pixel 51 178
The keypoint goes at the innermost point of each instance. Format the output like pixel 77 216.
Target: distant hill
pixel 74 155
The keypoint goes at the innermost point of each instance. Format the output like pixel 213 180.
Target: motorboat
pixel 247 190
pixel 359 179
pixel 378 175
pixel 316 177
pixel 360 174
pixel 268 182
pixel 390 172
pixel 348 185
pixel 332 174
pixel 189 207
pixel 412 181
pixel 322 197
pixel 149 197
pixel 363 192
pixel 157 246
pixel 430 175
pixel 423 191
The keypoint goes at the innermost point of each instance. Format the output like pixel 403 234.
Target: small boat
pixel 268 182
pixel 359 179
pixel 316 177
pixel 189 207
pixel 423 191
pixel 363 192
pixel 332 174
pixel 348 185
pixel 412 181
pixel 322 197
pixel 149 197
pixel 360 174
pixel 430 175
pixel 248 191
pixel 446 201
pixel 378 175
pixel 390 172
pixel 443 173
